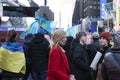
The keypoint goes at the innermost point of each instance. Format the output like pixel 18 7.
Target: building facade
pixel 78 13
pixel 86 8
pixel 92 8
pixel 109 1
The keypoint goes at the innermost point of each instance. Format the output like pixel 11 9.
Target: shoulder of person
pixel 108 55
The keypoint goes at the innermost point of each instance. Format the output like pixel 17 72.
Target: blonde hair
pixel 57 36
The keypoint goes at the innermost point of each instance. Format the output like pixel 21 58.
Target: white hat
pixel 95 35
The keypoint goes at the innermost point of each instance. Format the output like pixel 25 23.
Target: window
pixel 94 2
pixel 94 7
pixel 98 2
pixel 90 6
pixel 98 7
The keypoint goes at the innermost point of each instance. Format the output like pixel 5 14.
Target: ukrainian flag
pixel 12 58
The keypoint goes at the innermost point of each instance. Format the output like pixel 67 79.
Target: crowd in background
pixel 61 57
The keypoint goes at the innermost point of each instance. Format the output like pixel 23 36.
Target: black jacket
pixel 38 52
pixel 104 50
pixel 68 47
pixel 80 57
pixel 25 45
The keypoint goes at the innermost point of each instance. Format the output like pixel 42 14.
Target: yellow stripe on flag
pixel 12 61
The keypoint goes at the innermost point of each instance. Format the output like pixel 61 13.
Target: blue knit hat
pixel 42 31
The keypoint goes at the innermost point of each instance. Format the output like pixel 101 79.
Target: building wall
pixel 92 8
pixel 85 8
pixel 109 0
pixel 78 12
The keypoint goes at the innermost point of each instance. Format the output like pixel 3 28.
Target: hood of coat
pixel 116 39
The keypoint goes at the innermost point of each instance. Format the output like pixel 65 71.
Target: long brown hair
pixel 11 35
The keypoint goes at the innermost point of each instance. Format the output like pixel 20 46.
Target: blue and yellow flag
pixel 73 30
pixel 32 29
pixel 45 24
pixel 36 25
pixel 12 58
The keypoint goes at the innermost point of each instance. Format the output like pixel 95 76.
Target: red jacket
pixel 58 67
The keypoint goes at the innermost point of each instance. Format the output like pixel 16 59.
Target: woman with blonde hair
pixel 58 67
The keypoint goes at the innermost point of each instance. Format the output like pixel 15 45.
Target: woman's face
pixel 103 42
pixel 63 41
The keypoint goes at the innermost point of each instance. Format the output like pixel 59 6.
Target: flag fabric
pixel 12 58
pixel 36 25
pixel 32 29
pixel 73 30
pixel 45 24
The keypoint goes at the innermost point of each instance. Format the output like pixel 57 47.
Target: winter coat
pixel 111 65
pixel 68 47
pixel 38 53
pixel 80 57
pixel 25 45
pixel 91 50
pixel 104 50
pixel 58 67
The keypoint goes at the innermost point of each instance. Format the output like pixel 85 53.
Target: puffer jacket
pixel 25 46
pixel 111 65
pixel 38 53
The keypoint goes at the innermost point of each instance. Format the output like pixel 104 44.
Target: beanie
pixel 95 35
pixel 116 38
pixel 42 31
pixel 105 35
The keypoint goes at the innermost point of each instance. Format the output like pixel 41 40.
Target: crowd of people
pixel 60 57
